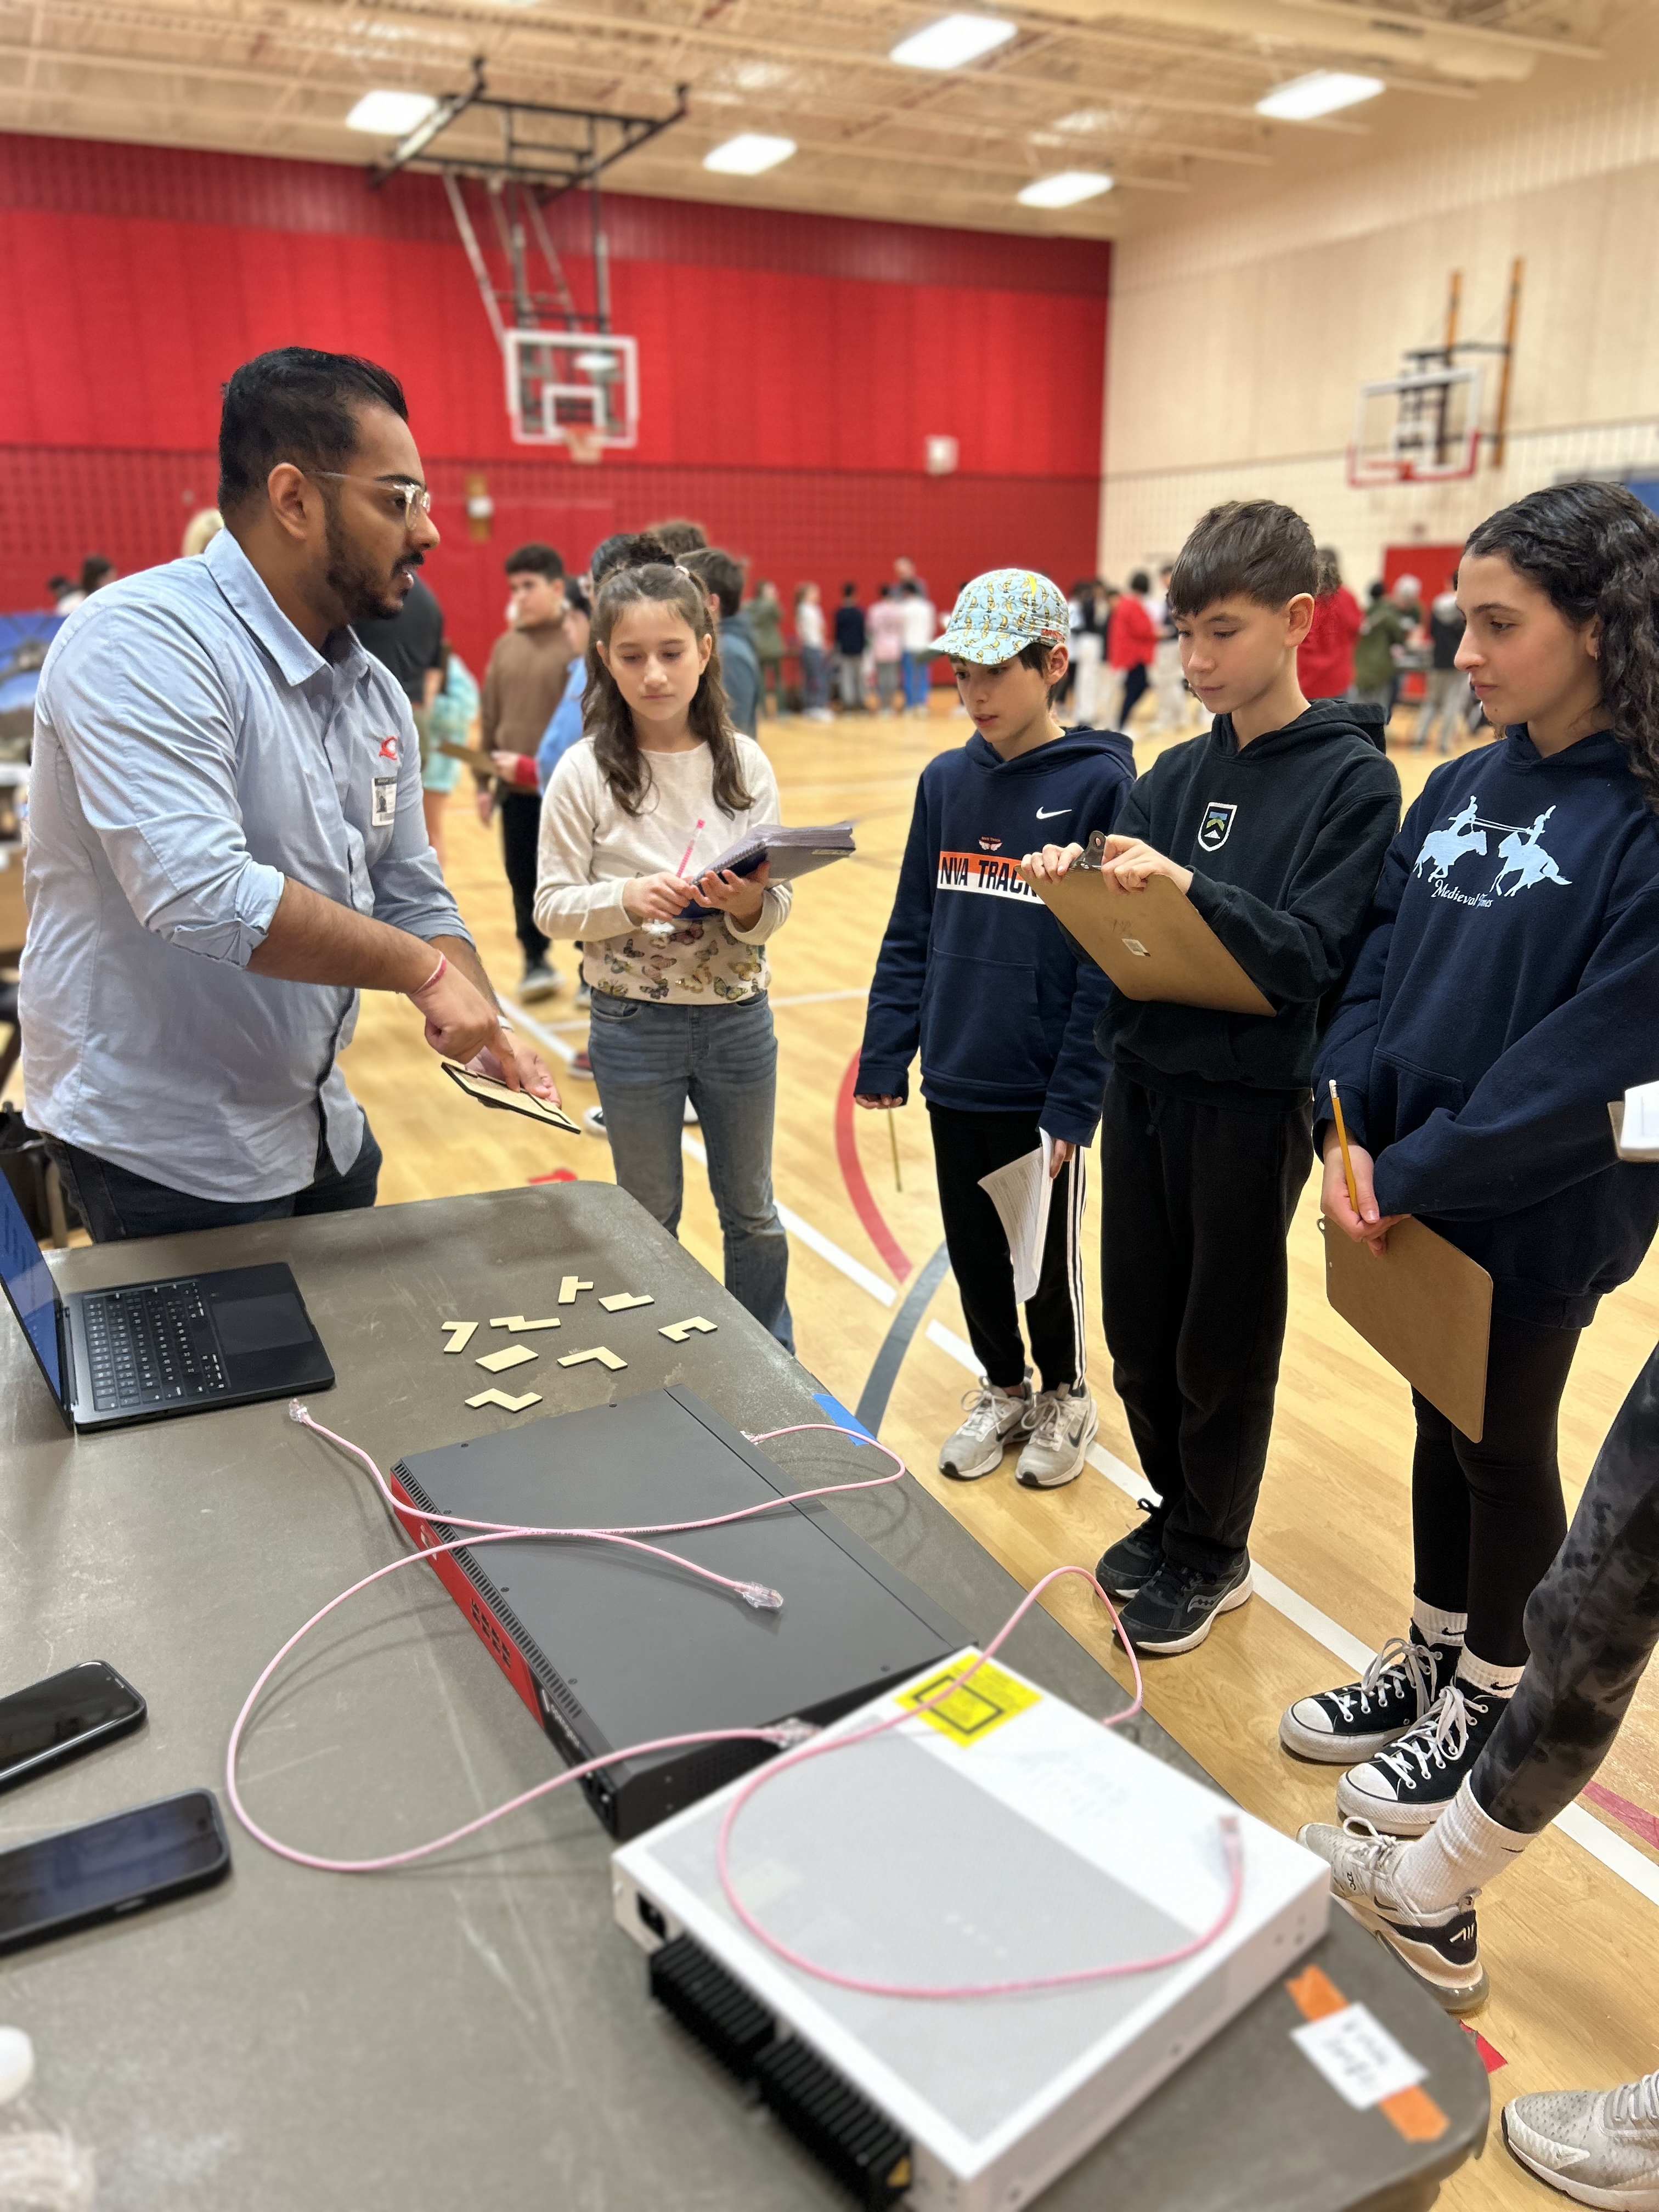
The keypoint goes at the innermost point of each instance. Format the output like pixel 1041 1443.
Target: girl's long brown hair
pixel 605 714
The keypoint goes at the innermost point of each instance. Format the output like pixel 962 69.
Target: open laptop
pixel 144 1350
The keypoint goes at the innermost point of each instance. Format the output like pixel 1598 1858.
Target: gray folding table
pixel 475 2029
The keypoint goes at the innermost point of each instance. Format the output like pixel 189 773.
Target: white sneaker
pixel 1441 1949
pixel 539 981
pixel 593 1122
pixel 992 1417
pixel 1063 1426
pixel 1596 2146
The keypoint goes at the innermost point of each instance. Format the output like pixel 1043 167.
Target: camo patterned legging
pixel 1592 1623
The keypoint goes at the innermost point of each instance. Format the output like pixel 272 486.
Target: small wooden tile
pixel 461 1333
pixel 512 1355
pixel 568 1286
pixel 599 1352
pixel 624 1300
pixel 507 1405
pixel 677 1332
pixel 518 1322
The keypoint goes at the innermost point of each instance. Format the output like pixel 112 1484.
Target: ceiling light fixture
pixel 1320 92
pixel 748 154
pixel 390 114
pixel 1066 189
pixel 953 42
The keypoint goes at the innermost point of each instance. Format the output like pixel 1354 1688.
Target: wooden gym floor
pixel 1571 1936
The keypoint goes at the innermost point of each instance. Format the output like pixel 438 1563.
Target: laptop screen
pixel 29 1284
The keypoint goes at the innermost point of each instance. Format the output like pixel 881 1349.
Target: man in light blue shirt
pixel 227 842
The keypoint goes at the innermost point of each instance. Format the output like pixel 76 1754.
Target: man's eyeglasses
pixel 412 500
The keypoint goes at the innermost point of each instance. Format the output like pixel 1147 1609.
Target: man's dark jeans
pixel 115 1203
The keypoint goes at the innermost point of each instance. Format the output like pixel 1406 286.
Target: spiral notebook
pixel 790 853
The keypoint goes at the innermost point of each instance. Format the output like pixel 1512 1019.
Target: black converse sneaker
pixel 1175 1608
pixel 1441 1949
pixel 1405 1790
pixel 1136 1557
pixel 1393 1695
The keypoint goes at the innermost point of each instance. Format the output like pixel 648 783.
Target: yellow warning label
pixel 972 1712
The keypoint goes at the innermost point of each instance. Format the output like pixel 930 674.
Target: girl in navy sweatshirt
pixel 1505 993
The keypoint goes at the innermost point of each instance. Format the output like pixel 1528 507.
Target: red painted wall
pixel 791 368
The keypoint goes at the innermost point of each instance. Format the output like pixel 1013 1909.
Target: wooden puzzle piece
pixel 517 1321
pixel 460 1334
pixel 513 1355
pixel 599 1351
pixel 507 1405
pixel 568 1286
pixel 624 1300
pixel 677 1331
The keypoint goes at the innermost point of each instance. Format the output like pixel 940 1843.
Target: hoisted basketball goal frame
pixel 1436 430
pixel 571 381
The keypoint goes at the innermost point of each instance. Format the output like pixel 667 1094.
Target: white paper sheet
pixel 1641 1132
pixel 1020 1193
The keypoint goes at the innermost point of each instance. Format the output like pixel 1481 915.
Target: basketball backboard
pixel 1419 428
pixel 572 388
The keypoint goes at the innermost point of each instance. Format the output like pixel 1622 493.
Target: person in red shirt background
pixel 1324 661
pixel 1131 642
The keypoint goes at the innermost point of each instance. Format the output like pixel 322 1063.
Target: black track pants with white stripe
pixel 1196 1202
pixel 1592 1625
pixel 965 1147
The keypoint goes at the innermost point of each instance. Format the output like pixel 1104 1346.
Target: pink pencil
pixel 686 854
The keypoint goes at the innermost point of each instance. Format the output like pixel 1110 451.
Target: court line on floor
pixel 1613 1851
pixel 878 1384
pixel 871 1219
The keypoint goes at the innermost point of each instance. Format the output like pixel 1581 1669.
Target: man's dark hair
pixel 1251 547
pixel 628 549
pixel 535 560
pixel 295 404
pixel 678 535
pixel 849 591
pixel 718 572
pixel 1140 581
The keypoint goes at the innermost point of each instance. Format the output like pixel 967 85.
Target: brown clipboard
pixel 474 755
pixel 1426 1307
pixel 1154 944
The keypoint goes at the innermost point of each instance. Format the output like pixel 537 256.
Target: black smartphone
pixel 65 1714
pixel 132 1859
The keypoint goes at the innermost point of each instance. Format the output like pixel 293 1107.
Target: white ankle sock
pixel 1435 1625
pixel 1464 1851
pixel 1491 1681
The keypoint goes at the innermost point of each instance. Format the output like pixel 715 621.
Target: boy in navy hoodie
pixel 974 969
pixel 1274 825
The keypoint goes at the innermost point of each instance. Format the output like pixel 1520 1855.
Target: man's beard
pixel 364 594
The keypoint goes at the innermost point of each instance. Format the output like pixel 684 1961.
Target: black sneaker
pixel 1441 1949
pixel 1340 1726
pixel 1136 1557
pixel 1174 1610
pixel 1405 1790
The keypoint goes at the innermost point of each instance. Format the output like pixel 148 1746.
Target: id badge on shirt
pixel 383 813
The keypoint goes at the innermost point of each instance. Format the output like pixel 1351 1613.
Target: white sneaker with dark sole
pixel 1596 2146
pixel 1340 1727
pixel 1064 1425
pixel 1441 1950
pixel 992 1418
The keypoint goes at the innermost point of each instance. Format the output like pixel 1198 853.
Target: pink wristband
pixel 437 973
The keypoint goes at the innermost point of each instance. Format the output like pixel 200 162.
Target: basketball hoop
pixel 1424 427
pixel 584 444
pixel 578 389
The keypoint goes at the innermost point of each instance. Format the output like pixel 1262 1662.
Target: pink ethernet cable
pixel 786 1735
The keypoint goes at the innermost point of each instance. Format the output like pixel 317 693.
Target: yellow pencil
pixel 1342 1139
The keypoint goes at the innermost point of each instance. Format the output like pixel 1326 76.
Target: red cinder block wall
pixel 791 368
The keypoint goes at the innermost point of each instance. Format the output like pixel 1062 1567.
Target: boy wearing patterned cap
pixel 975 971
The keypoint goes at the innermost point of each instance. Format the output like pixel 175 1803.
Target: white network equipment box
pixel 1004 1836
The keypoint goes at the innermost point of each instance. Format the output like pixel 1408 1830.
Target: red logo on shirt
pixel 388 748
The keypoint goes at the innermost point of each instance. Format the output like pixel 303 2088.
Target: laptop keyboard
pixel 152 1346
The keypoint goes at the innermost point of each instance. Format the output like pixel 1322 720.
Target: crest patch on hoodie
pixel 1216 825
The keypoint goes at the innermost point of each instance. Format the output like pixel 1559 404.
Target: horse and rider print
pixel 1521 852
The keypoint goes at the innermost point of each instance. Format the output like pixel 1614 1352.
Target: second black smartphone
pixel 121 1864
pixel 63 1716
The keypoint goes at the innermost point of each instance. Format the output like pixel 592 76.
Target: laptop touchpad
pixel 264 1324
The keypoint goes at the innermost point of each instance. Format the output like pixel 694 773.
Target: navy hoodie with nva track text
pixel 1506 991
pixel 974 968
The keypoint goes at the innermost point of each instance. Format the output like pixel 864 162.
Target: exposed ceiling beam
pixel 1406 19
